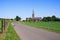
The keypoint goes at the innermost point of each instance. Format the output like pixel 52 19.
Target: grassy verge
pixel 52 26
pixel 11 34
pixel 0 26
pixel 1 34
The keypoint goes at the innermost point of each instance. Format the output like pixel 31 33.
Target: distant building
pixel 33 18
pixel 33 15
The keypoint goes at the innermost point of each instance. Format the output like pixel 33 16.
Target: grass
pixel 1 34
pixel 11 34
pixel 0 26
pixel 52 26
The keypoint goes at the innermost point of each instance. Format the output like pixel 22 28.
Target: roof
pixel 37 18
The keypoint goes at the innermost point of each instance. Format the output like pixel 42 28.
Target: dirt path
pixel 29 33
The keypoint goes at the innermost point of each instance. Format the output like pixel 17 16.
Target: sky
pixel 24 8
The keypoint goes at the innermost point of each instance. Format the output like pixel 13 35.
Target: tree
pixel 48 18
pixel 11 19
pixel 17 18
pixel 57 19
pixel 30 19
pixel 53 18
pixel 26 19
pixel 44 19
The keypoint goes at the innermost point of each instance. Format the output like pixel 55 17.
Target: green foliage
pixel 17 18
pixel 0 26
pixel 53 18
pixel 53 26
pixel 11 19
pixel 11 34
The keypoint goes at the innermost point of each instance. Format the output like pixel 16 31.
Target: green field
pixel 11 34
pixel 52 26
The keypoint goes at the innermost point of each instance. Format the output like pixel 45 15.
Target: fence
pixel 4 23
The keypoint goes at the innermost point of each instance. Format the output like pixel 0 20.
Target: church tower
pixel 33 14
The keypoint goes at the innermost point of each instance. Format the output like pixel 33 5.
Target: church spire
pixel 33 14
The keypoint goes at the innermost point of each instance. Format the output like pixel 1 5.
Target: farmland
pixel 51 26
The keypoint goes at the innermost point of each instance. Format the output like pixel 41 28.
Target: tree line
pixel 48 18
pixel 53 18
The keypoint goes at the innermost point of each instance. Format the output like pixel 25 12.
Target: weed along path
pixel 29 33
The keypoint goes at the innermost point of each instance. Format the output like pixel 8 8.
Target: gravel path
pixel 29 33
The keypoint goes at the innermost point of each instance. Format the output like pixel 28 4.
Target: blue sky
pixel 23 8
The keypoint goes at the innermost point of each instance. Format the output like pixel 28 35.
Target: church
pixel 33 18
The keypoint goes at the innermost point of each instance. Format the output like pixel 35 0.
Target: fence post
pixel 4 23
pixel 2 26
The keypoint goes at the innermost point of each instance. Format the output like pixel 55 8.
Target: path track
pixel 29 33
